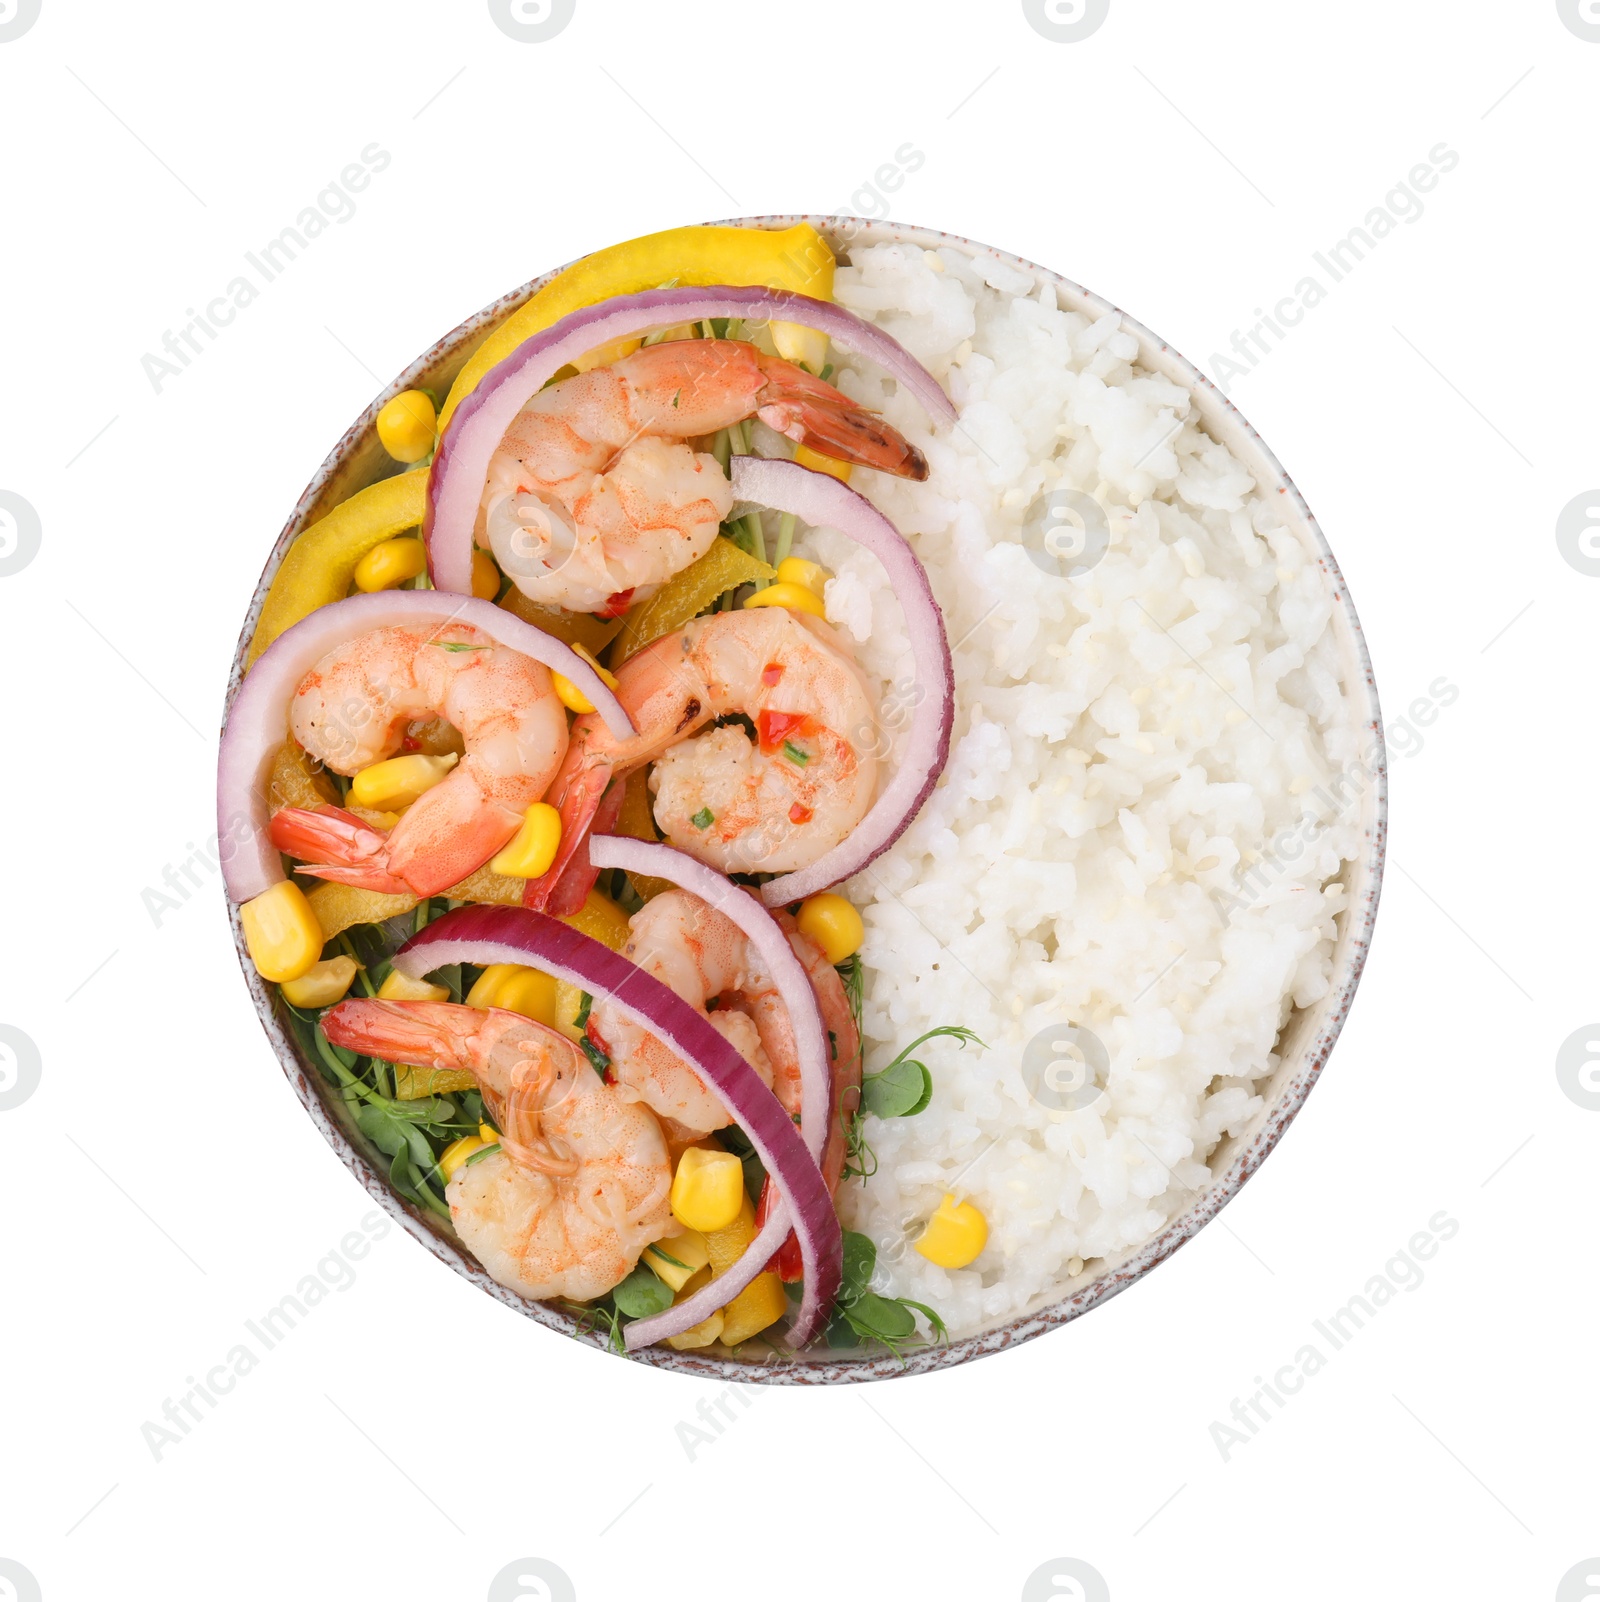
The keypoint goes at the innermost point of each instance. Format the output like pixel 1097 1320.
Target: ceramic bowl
pixel 1303 1046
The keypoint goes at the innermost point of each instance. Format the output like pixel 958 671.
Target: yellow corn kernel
pixel 488 1134
pixel 485 576
pixel 322 984
pixel 706 1333
pixel 678 1258
pixel 797 570
pixel 601 919
pixel 533 848
pixel 604 355
pixel 955 1234
pixel 762 1302
pixel 388 566
pixel 516 988
pixel 831 923
pixel 708 1189
pixel 406 426
pixel 570 695
pixel 794 596
pixel 397 987
pixel 389 786
pixel 818 463
pixel 456 1153
pixel 281 932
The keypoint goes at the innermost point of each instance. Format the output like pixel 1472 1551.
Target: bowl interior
pixel 1304 1043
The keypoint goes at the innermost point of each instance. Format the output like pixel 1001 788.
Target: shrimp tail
pixel 822 418
pixel 426 1034
pixel 589 805
pixel 354 852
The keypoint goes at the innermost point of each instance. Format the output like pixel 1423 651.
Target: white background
pixel 412 1437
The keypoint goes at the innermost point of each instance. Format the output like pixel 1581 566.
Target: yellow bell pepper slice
pixel 342 906
pixel 601 919
pixel 687 594
pixel 679 1258
pixel 724 1247
pixel 320 566
pixel 637 821
pixel 412 1084
pixel 796 258
pixel 594 634
pixel 298 782
pixel 818 463
pixel 762 1302
pixel 794 596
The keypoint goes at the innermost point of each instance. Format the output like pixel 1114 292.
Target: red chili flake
pixel 788 1262
pixel 616 604
pixel 773 728
pixel 771 673
pixel 800 814
pixel 410 744
pixel 597 1040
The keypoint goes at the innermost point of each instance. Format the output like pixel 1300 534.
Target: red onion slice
pixel 461 466
pixel 823 501
pixel 484 935
pixel 759 927
pixel 257 722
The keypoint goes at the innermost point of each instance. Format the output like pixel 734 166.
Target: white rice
pixel 1126 745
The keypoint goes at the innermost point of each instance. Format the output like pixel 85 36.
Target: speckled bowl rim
pixel 1305 1042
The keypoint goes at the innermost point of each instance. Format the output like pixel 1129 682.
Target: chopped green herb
pixel 795 754
pixel 878 1316
pixel 598 1315
pixel 857 1153
pixel 478 1156
pixel 456 645
pixel 854 977
pixel 676 398
pixel 902 1090
pixel 598 1060
pixel 667 1257
pixel 860 1257
pixel 410 1135
pixel 862 1314
pixel 905 1087
pixel 585 1006
pixel 704 818
pixel 827 372
pixel 642 1294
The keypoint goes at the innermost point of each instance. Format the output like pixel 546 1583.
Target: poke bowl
pixel 938 852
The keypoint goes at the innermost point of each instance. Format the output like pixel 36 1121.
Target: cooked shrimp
pixel 773 803
pixel 579 1186
pixel 353 708
pixel 594 499
pixel 707 960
